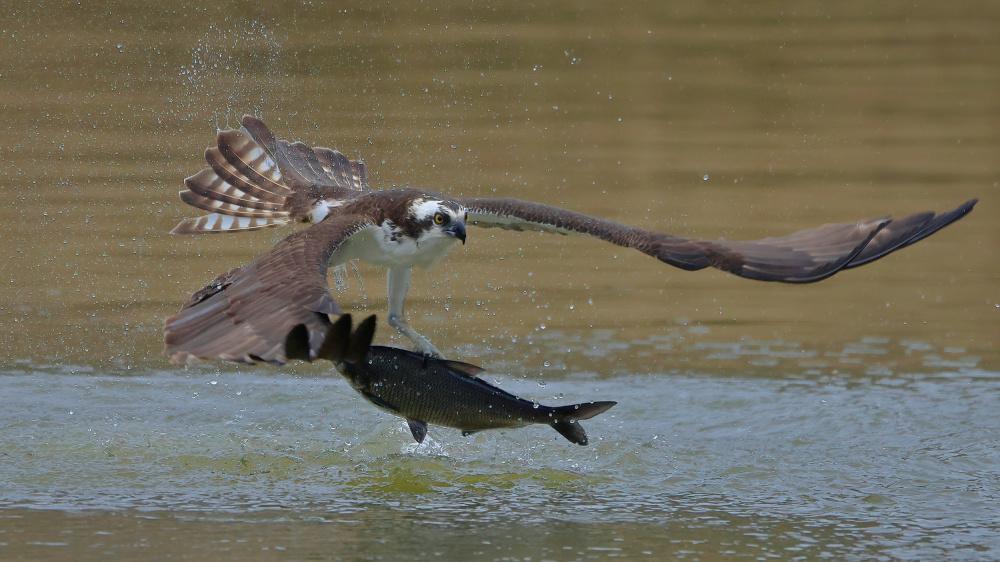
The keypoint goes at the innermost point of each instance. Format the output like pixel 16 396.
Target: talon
pixel 421 344
pixel 425 348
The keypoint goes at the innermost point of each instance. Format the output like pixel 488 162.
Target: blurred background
pixel 713 120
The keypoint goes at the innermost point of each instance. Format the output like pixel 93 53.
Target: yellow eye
pixel 439 219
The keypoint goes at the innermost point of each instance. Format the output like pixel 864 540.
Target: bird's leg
pixel 399 283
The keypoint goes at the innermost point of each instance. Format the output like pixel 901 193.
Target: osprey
pixel 255 180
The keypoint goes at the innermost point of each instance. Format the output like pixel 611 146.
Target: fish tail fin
pixel 343 345
pixel 565 419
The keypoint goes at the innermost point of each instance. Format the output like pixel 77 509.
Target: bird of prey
pixel 254 180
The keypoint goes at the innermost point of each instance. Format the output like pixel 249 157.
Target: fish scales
pixel 425 389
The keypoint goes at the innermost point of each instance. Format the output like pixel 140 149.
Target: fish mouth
pixel 457 230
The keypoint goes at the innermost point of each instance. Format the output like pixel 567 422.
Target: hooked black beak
pixel 457 230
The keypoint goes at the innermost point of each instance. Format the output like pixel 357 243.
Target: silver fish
pixel 425 389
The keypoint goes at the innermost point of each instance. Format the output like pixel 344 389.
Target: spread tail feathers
pixel 566 419
pixel 243 188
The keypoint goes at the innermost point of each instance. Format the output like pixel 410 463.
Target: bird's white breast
pixel 387 246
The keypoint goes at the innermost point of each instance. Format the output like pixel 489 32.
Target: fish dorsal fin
pixel 418 429
pixel 461 368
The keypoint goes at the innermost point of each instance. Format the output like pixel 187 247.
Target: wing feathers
pixel 903 232
pixel 806 256
pixel 247 313
pixel 255 180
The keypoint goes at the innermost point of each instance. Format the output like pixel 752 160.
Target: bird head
pixel 437 217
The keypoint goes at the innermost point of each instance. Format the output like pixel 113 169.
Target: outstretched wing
pixel 255 181
pixel 803 257
pixel 247 313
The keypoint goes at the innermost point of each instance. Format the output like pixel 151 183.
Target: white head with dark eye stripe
pixel 433 218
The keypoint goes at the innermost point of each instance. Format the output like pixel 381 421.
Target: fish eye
pixel 439 218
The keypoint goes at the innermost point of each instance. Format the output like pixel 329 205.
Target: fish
pixel 429 390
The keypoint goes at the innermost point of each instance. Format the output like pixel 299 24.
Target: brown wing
pixel 255 181
pixel 246 314
pixel 803 257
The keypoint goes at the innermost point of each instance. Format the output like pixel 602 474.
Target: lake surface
pixel 851 419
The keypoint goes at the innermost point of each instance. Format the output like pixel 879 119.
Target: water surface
pixel 852 419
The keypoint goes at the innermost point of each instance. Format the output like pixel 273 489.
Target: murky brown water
pixel 855 418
